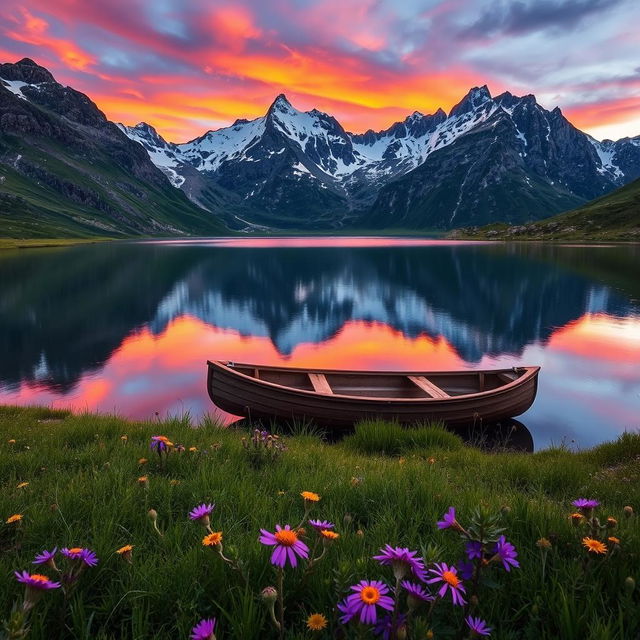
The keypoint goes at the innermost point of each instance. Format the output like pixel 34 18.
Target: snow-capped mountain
pixel 296 168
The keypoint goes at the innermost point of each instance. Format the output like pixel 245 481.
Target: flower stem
pixel 281 603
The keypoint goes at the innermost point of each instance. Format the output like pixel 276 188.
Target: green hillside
pixel 615 216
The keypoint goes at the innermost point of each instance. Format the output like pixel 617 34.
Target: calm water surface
pixel 128 327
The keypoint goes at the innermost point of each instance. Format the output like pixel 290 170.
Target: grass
pixel 381 484
pixel 45 243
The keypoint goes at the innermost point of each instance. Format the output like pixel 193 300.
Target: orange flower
pixel 22 485
pixel 143 481
pixel 613 540
pixel 576 518
pixel 213 539
pixel 310 496
pixel 16 517
pixel 594 546
pixel 316 622
pixel 142 461
pixel 329 535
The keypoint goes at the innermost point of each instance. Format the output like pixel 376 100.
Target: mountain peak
pixel 281 103
pixel 476 97
pixel 25 70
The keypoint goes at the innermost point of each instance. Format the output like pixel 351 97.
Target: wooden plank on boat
pixel 507 377
pixel 481 386
pixel 426 385
pixel 256 373
pixel 319 382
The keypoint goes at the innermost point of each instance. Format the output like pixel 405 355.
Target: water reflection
pixel 129 327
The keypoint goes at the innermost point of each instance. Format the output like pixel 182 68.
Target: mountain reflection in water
pixel 128 327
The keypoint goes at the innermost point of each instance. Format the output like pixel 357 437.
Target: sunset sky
pixel 186 66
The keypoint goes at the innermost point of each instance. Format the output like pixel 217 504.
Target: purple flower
pixel 46 557
pixel 79 553
pixel 367 596
pixel 465 569
pixel 449 520
pixel 204 630
pixel 417 593
pixel 478 627
pixel 386 628
pixel 160 444
pixel 473 549
pixel 320 525
pixel 450 581
pixel 35 581
pixel 202 512
pixel 506 553
pixel 402 560
pixel 287 545
pixel 585 504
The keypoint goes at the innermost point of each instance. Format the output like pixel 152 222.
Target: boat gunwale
pixel 530 373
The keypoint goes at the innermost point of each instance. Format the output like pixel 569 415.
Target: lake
pixel 127 327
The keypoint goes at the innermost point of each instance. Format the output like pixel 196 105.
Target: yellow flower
pixel 193 449
pixel 174 482
pixel 16 517
pixel 310 496
pixel 213 539
pixel 22 485
pixel 329 535
pixel 316 622
pixel 594 546
pixel 142 461
pixel 12 441
pixel 124 438
pixel 401 460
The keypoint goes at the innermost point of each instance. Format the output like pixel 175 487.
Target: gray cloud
pixel 516 17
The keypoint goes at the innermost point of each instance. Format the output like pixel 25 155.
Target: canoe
pixel 342 398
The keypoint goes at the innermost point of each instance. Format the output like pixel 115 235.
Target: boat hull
pixel 253 398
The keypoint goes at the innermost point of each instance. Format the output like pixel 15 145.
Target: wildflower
pixel 202 513
pixel 402 561
pixel 161 444
pixel 431 460
pixel 628 511
pixel 613 540
pixel 269 594
pixel 47 557
pixel 86 556
pixel 360 533
pixel 179 448
pixel 16 517
pixel 213 539
pixel 478 627
pixel 401 460
pixel 543 543
pixel 142 461
pixel 281 493
pixel 585 505
pixel 204 630
pixel 309 496
pixel 388 628
pixel 174 483
pixel 12 441
pixel 22 485
pixel 429 635
pixel 126 552
pixel 367 596
pixel 594 546
pixel 35 581
pixel 143 481
pixel 629 585
pixel 416 594
pixel 329 536
pixel 449 521
pixel 356 480
pixel 322 525
pixel 316 622
pixel 124 438
pixel 612 523
pixel 576 518
pixel 506 553
pixel 301 531
pixel 473 549
pixel 287 546
pixel 465 569
pixel 450 581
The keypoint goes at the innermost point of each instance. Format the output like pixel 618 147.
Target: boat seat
pixel 319 382
pixel 428 387
pixel 507 377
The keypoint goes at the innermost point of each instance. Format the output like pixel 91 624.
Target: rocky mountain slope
pixel 503 158
pixel 65 170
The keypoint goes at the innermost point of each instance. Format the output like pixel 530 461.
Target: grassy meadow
pixel 86 487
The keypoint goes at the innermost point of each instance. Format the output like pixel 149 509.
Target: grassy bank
pixel 379 486
pixel 43 243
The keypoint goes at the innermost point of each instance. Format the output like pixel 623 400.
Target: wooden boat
pixel 342 398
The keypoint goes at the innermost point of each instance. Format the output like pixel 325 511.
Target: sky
pixel 186 66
